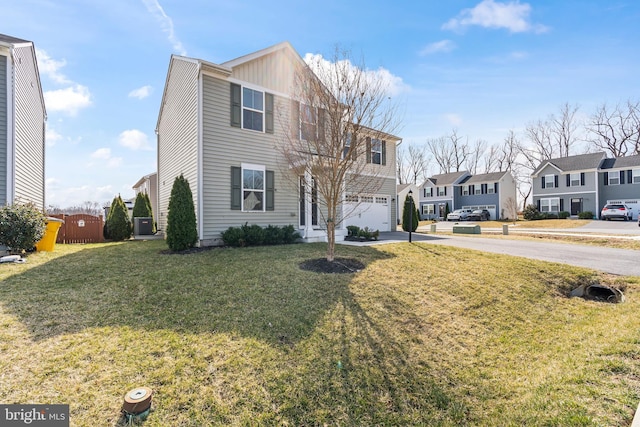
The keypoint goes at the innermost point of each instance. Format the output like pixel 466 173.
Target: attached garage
pixel 634 205
pixel 368 211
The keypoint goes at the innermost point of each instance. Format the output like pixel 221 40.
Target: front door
pixel 441 210
pixel 576 206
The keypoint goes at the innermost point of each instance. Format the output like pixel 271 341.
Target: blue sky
pixel 481 67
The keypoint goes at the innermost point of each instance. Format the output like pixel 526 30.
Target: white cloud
pixel 104 155
pixel 73 196
pixel 453 119
pixel 69 100
pixel 512 15
pixel 52 137
pixel 141 92
pixel 101 153
pixel 50 67
pixel 134 140
pixel 436 47
pixel 166 23
pixel 393 84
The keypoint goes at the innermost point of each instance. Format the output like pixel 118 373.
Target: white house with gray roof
pixel 22 124
pixel 585 183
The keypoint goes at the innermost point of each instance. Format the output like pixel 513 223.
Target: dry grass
pixel 424 335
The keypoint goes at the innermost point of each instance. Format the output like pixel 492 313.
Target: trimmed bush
pixel 531 213
pixel 352 230
pixel 21 226
pixel 182 232
pixel 585 215
pixel 253 235
pixel 118 224
pixel 564 215
pixel 410 224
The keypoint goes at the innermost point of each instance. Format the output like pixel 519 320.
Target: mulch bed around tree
pixel 337 266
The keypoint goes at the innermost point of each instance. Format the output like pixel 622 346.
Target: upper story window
pixel 549 181
pixel 428 191
pixel 614 178
pixel 252 109
pixel 308 123
pixel 636 176
pixel 347 146
pixel 491 188
pixel 477 189
pixel 465 190
pixel 376 151
pixel 442 191
pixel 574 179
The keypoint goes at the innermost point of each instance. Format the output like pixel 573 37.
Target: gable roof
pixel 263 52
pixel 485 177
pixel 9 40
pixel 621 162
pixel 447 178
pixel 573 163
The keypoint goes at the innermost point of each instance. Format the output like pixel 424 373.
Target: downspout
pixel 11 140
pixel 200 108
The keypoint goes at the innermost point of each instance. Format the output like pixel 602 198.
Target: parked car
pixel 479 215
pixel 459 215
pixel 616 211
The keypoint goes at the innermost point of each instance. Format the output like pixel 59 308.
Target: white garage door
pixel 371 211
pixel 634 205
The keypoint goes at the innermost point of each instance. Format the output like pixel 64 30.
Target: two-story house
pixel 495 192
pixel 22 124
pixel 438 192
pixel 222 126
pixel 585 183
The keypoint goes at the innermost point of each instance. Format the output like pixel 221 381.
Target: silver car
pixel 459 215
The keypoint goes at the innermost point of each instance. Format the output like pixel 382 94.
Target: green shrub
pixel 352 230
pixel 118 224
pixel 181 230
pixel 273 235
pixel 585 215
pixel 289 234
pixel 233 236
pixel 410 217
pixel 21 226
pixel 252 235
pixel 531 213
pixel 563 214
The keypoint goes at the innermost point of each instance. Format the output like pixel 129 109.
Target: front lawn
pixel 423 335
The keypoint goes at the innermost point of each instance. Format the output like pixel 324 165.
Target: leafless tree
pixel 340 110
pixel 476 156
pixel 449 151
pixel 87 207
pixel 616 130
pixel 556 136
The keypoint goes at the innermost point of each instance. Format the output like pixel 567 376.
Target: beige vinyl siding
pixel 274 71
pixel 3 130
pixel 29 130
pixel 225 146
pixel 178 134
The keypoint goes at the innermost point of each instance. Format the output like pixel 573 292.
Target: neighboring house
pixel 149 184
pixel 585 183
pixel 402 190
pixel 219 125
pixel 495 192
pixel 22 124
pixel 438 192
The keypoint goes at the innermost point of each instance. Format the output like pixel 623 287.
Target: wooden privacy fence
pixel 80 228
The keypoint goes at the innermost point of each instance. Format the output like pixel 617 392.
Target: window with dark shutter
pixel 630 176
pixel 582 178
pixel 606 178
pixel 384 153
pixel 555 181
pixel 236 105
pixel 236 188
pixel 270 191
pixel 543 182
pixel 622 174
pixel 268 112
pixel 568 180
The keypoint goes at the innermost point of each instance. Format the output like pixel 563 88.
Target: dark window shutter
pixel 472 190
pixel 384 153
pixel 561 205
pixel 368 150
pixel 303 210
pixel 568 180
pixel 270 191
pixel 582 178
pixel 483 189
pixel 236 188
pixel 495 187
pixel 321 124
pixel 538 201
pixel 543 182
pixel 606 178
pixel 268 112
pixel 236 105
pixel 445 191
pixel 621 177
pixel 555 181
pixel 295 120
pixel 630 176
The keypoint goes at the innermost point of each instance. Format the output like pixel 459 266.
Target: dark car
pixel 479 215
pixel 615 211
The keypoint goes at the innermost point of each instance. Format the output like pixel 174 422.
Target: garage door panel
pixel 373 212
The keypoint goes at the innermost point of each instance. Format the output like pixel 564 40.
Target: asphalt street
pixel 615 261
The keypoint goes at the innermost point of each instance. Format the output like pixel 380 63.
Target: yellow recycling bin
pixel 48 241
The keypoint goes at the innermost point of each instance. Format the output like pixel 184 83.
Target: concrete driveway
pixel 615 261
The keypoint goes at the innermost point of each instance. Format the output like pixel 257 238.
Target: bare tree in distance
pixel 450 152
pixel 413 164
pixel 616 130
pixel 476 156
pixel 87 207
pixel 556 136
pixel 340 110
